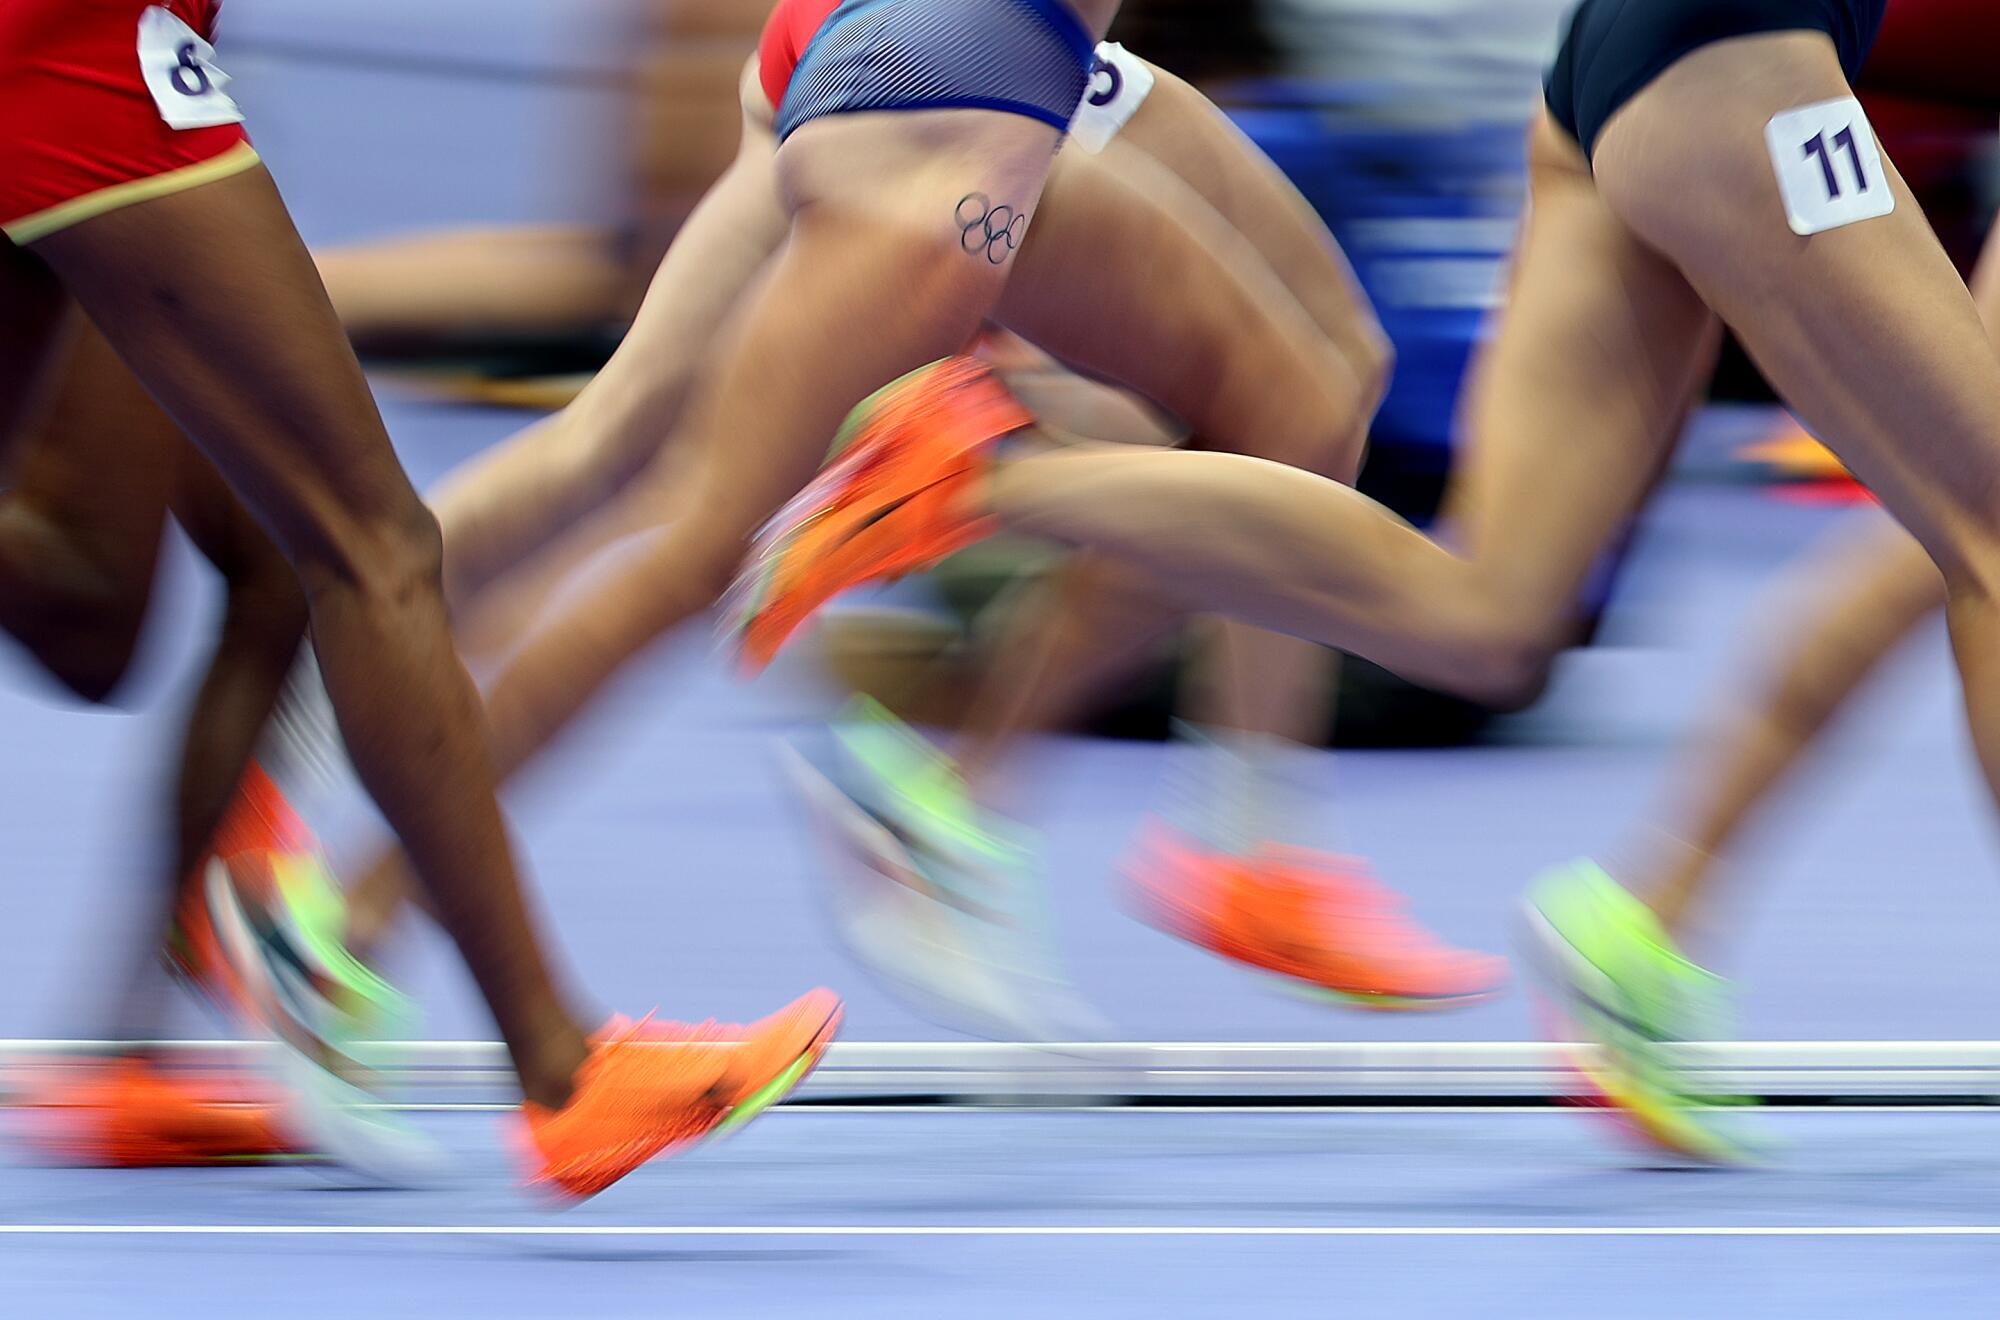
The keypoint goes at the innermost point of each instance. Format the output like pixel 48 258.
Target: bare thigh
pixel 635 401
pixel 1183 131
pixel 298 436
pixel 81 525
pixel 1223 345
pixel 876 277
pixel 1570 413
pixel 1866 330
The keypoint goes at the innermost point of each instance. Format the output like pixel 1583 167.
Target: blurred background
pixel 489 185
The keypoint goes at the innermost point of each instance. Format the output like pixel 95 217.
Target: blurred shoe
pixel 275 920
pixel 777 1054
pixel 768 1065
pixel 259 821
pixel 1620 985
pixel 130 1113
pixel 894 500
pixel 649 1089
pixel 1803 469
pixel 933 895
pixel 1791 453
pixel 1319 921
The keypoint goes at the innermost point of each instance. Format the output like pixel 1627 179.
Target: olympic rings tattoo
pixel 985 228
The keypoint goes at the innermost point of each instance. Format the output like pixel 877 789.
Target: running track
pixel 677 875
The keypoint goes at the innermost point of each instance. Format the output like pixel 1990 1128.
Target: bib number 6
pixel 189 77
pixel 180 73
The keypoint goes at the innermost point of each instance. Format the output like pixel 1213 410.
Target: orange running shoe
pixel 650 1088
pixel 128 1113
pixel 895 499
pixel 1315 919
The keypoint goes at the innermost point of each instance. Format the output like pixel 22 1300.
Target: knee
pixel 85 614
pixel 88 640
pixel 88 647
pixel 393 554
pixel 1499 657
pixel 1507 671
pixel 1357 379
pixel 1372 360
pixel 1305 401
pixel 90 662
pixel 1445 625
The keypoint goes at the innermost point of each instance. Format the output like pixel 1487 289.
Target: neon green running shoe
pixel 315 911
pixel 935 896
pixel 276 918
pixel 1620 984
pixel 908 781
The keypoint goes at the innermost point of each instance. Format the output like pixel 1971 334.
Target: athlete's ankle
pixel 548 1060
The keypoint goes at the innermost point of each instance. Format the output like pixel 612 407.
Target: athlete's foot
pixel 653 1088
pixel 131 1113
pixel 1620 986
pixel 933 895
pixel 1319 921
pixel 896 498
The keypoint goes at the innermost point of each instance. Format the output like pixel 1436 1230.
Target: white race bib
pixel 176 64
pixel 1830 171
pixel 1119 84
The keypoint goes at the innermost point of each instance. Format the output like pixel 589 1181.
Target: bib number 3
pixel 180 72
pixel 1119 84
pixel 1830 171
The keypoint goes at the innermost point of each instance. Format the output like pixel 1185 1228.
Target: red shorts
pixel 91 92
pixel 787 33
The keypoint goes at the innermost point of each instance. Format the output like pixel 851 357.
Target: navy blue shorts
pixel 1615 47
pixel 1020 57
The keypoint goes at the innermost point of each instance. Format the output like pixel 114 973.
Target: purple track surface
pixel 678 874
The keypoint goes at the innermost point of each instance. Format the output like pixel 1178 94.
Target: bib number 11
pixel 180 72
pixel 1830 171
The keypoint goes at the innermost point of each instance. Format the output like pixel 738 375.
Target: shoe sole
pixel 774 1091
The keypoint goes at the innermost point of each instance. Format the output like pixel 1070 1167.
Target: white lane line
pixel 1007 1230
pixel 794 1109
